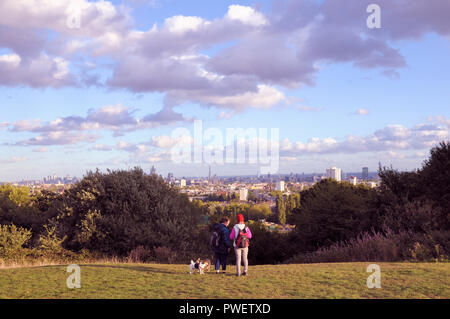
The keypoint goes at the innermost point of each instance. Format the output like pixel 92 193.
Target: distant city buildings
pixel 353 180
pixel 372 184
pixel 182 183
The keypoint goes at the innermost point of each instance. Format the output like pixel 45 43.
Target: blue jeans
pixel 220 259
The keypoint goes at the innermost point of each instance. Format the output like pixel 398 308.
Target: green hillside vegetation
pixel 139 217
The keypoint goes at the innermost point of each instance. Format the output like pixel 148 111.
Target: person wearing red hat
pixel 240 236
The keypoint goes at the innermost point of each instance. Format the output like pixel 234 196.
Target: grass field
pixel 339 280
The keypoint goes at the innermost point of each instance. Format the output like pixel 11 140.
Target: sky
pixel 107 84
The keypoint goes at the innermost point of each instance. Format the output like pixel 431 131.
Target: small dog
pixel 200 265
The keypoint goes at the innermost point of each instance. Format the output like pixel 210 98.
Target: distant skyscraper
pixel 182 183
pixel 209 175
pixel 280 186
pixel 243 194
pixel 334 173
pixel 365 173
pixel 153 170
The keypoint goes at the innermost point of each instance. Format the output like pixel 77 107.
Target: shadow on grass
pixel 137 268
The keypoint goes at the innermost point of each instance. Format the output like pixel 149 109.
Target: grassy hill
pixel 339 280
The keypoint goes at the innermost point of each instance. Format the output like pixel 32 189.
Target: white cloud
pixel 265 97
pixel 362 111
pixel 246 15
pixel 181 24
pixel 11 60
pixel 165 141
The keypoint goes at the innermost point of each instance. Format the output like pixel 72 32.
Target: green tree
pixel 435 175
pixel 427 190
pixel 19 195
pixel 281 209
pixel 293 201
pixel 331 212
pixel 117 211
pixel 12 240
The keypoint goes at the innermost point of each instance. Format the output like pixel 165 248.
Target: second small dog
pixel 200 265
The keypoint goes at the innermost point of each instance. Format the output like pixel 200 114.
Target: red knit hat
pixel 240 218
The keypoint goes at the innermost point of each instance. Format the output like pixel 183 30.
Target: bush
pixel 140 254
pixel 12 240
pixel 166 255
pixel 50 248
pixel 115 212
pixel 415 216
pixel 266 247
pixel 331 212
pixel 377 246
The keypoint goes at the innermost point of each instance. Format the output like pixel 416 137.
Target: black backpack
pixel 215 238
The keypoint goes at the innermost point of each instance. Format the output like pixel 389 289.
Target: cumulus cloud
pixel 392 138
pixel 181 24
pixel 42 71
pixel 391 142
pixel 255 54
pixel 165 141
pixel 116 118
pixel 58 138
pixel 246 15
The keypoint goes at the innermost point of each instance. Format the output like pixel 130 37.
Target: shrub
pixel 12 240
pixel 266 247
pixel 50 248
pixel 165 255
pixel 331 212
pixel 140 254
pixel 377 246
pixel 117 211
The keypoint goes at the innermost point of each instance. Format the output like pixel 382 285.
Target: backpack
pixel 215 239
pixel 242 240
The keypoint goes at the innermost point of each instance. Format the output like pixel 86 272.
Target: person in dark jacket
pixel 221 252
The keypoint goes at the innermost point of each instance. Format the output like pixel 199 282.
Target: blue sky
pixel 110 93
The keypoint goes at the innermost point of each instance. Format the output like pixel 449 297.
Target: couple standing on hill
pixel 222 246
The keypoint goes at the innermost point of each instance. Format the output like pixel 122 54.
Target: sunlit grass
pixel 337 280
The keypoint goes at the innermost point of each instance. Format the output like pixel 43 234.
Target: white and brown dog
pixel 200 265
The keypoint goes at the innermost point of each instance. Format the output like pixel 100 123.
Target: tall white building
pixel 280 186
pixel 182 183
pixel 243 194
pixel 334 173
pixel 353 180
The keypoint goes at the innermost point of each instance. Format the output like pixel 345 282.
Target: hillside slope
pixel 340 280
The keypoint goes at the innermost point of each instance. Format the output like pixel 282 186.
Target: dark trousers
pixel 220 259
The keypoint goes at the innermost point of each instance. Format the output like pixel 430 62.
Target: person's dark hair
pixel 224 219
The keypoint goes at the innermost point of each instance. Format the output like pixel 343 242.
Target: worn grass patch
pixel 332 280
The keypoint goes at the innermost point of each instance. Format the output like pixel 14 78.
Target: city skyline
pixel 68 179
pixel 89 84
